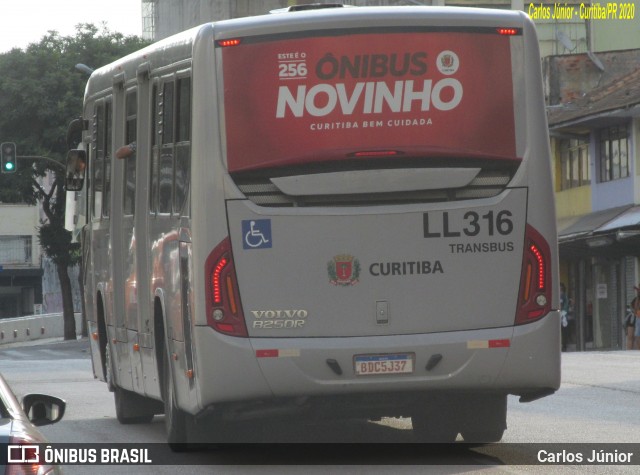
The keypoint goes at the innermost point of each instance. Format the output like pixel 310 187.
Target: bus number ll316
pixel 473 224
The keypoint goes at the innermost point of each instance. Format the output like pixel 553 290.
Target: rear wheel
pixel 434 426
pixel 483 436
pixel 486 420
pixel 131 408
pixel 175 420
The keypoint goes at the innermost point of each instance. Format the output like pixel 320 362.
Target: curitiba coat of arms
pixel 343 270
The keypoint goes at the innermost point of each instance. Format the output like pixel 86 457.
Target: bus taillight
pixel 508 31
pixel 231 42
pixel 534 298
pixel 224 311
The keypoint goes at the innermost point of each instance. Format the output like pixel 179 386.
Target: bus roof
pixel 337 18
pixel 179 47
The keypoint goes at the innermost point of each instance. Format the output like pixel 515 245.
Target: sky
pixel 27 21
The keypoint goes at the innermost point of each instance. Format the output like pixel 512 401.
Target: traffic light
pixel 8 155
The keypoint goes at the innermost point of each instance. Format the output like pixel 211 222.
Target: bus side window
pixel 130 163
pixel 155 121
pixel 108 116
pixel 97 166
pixel 165 185
pixel 183 144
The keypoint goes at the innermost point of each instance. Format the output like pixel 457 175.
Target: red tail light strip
pixel 217 293
pixel 223 306
pixel 540 266
pixel 534 298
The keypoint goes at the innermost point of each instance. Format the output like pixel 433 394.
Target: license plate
pixel 366 365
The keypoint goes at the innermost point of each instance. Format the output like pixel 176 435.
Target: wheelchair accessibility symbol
pixel 256 234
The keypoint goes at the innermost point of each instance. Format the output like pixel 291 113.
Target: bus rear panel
pixel 350 214
pixel 390 215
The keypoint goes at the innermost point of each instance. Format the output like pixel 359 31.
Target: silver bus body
pixel 361 211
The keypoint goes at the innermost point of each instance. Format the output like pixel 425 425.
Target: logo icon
pixel 344 270
pixel 256 233
pixel 447 62
pixel 23 454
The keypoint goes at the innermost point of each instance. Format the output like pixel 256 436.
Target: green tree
pixel 40 93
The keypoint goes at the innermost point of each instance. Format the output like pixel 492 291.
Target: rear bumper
pixel 522 360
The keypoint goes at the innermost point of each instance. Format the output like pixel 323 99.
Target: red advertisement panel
pixel 324 98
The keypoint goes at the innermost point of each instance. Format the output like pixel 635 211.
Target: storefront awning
pixel 579 227
pixel 626 219
pixel 610 233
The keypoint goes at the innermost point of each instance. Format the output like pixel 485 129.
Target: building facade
pixel 597 168
pixel 20 269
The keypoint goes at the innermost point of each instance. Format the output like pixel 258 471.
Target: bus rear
pixel 390 213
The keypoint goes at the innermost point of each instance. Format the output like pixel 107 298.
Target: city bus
pixel 339 212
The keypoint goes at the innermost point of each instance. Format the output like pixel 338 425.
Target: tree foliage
pixel 41 91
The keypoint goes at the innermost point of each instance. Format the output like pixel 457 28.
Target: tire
pixel 131 408
pixel 175 420
pixel 486 421
pixel 433 428
pixel 482 437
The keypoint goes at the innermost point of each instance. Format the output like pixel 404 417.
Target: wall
pixel 573 202
pixel 174 16
pixel 616 34
pixel 571 76
pixel 36 327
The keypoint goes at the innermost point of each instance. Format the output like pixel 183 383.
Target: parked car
pixel 18 427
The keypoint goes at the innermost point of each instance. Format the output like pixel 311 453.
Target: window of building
pixel 574 163
pixel 15 250
pixel 613 153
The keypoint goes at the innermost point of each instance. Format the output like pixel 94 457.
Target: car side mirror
pixel 42 409
pixel 76 168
